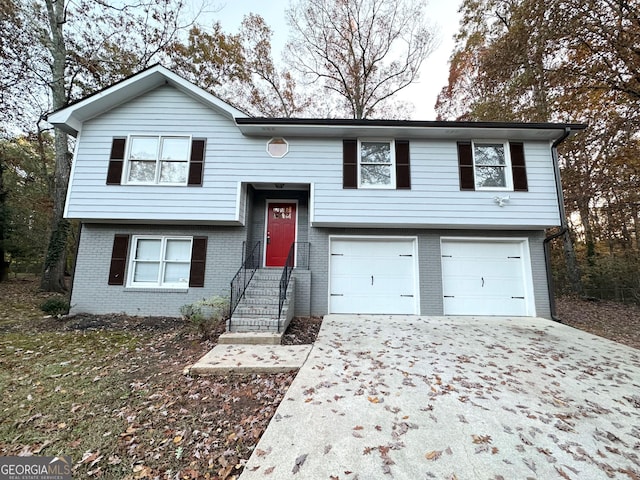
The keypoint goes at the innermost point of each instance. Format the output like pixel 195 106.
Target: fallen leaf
pixel 299 462
pixel 481 438
pixel 433 455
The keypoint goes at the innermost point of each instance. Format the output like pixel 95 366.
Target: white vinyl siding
pixel 233 160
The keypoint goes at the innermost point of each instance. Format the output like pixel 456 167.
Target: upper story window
pixel 491 165
pixel 158 159
pixel 160 262
pixel 376 164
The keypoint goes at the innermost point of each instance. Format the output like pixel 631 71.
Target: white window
pixel 160 262
pixel 376 168
pixel 158 159
pixel 492 166
pixel 277 147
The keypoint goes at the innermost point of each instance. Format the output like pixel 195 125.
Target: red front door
pixel 281 232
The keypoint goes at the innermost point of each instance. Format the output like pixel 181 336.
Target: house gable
pixel 71 118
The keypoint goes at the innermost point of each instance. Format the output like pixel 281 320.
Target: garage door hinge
pixel 449 296
pixel 513 257
pixel 337 295
pixel 407 296
pixel 447 256
pixel 406 255
pixel 337 254
pixel 518 298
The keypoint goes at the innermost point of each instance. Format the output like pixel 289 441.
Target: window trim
pixel 507 166
pixel 156 182
pixel 392 164
pixel 131 263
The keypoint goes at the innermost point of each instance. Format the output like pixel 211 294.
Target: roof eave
pixel 265 127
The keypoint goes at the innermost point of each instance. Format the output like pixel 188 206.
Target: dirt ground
pixel 109 390
pixel 615 321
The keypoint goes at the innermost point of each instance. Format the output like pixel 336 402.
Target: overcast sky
pixel 443 13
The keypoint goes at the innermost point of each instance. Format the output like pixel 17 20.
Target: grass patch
pixel 60 390
pixel 109 392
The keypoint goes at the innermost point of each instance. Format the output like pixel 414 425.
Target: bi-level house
pixel 182 196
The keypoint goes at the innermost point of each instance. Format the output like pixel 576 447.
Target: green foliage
pixel 28 163
pixel 614 277
pixel 206 315
pixel 55 306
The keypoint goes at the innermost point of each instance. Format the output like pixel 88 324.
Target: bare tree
pixel 61 50
pixel 361 51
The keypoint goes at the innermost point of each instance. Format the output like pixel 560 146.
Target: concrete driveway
pixel 408 397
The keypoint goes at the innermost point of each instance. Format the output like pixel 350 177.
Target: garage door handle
pixel 371 279
pixel 482 281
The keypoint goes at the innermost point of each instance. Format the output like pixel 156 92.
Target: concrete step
pixel 250 338
pixel 259 300
pixel 270 311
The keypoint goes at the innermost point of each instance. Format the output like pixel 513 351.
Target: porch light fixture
pixel 277 147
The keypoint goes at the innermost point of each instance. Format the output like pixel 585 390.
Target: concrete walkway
pixel 405 397
pixel 225 359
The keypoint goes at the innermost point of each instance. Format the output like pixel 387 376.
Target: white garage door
pixel 489 277
pixel 373 276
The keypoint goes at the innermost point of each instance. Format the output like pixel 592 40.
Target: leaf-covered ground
pixel 109 391
pixel 611 320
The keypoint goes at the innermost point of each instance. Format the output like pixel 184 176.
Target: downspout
pixel 563 222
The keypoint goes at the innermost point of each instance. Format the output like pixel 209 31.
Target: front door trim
pixel 266 227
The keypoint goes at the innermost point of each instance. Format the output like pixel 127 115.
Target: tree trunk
pixel 4 265
pixel 53 273
pixel 573 271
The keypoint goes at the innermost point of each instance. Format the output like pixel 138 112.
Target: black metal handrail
pixel 241 280
pixel 284 279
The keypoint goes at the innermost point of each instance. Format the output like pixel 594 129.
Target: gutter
pixel 563 222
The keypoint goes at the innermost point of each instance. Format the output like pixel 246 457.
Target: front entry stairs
pixel 255 319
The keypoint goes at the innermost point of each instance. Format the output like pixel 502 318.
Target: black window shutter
pixel 116 161
pixel 196 163
pixel 465 166
pixel 349 164
pixel 403 170
pixel 518 168
pixel 198 261
pixel 118 259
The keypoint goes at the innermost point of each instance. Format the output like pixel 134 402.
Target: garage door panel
pixel 483 277
pixel 373 276
pixel 480 304
pixel 371 305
